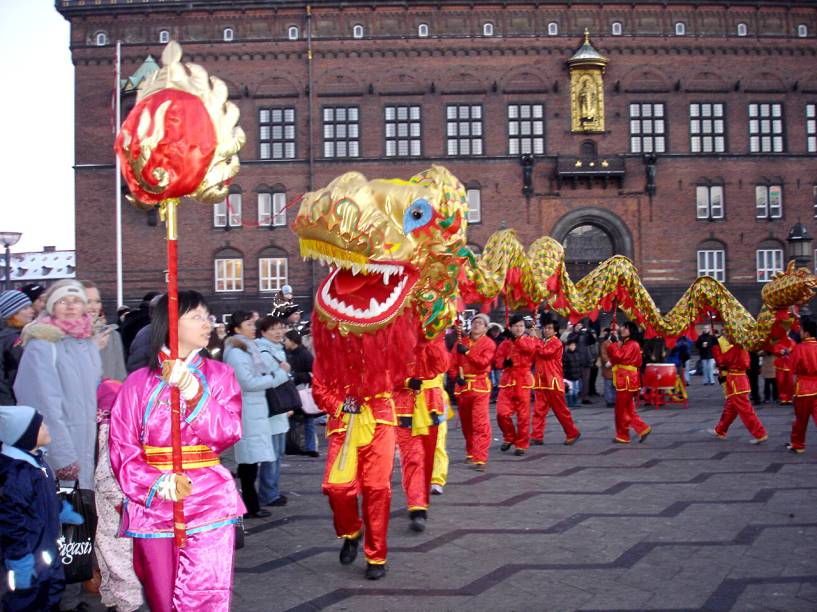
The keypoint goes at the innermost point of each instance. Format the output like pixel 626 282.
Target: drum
pixel 660 375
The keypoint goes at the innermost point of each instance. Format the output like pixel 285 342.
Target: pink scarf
pixel 76 328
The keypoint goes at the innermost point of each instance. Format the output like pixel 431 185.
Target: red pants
pixel 785 385
pixel 476 424
pixel 514 400
pixel 739 405
pixel 373 482
pixel 804 407
pixel 416 465
pixel 627 417
pixel 545 400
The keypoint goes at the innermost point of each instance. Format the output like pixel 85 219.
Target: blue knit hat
pixel 20 426
pixel 12 302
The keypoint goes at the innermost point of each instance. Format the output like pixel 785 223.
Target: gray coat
pixel 256 440
pixel 59 376
pixel 113 358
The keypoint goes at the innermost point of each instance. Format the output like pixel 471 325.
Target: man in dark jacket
pixel 705 344
pixel 584 339
pixel 15 313
pixel 572 367
pixel 136 320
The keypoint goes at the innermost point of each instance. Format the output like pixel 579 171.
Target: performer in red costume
pixel 549 389
pixel 515 357
pixel 471 360
pixel 804 367
pixel 782 369
pixel 625 357
pixel 733 361
pixel 420 409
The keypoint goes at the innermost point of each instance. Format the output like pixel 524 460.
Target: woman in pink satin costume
pixel 198 576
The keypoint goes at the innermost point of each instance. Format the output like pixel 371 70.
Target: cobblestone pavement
pixel 681 522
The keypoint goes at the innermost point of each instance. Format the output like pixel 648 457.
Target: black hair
pixel 236 319
pixel 553 322
pixel 159 333
pixel 635 333
pixel 810 326
pixel 267 322
pixel 294 336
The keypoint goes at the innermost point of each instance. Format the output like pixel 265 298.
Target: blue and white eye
pixel 417 215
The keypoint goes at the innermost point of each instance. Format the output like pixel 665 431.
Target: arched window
pixel 769 260
pixel 711 256
pixel 709 200
pixel 474 194
pixel 616 29
pixel 680 28
pixel 227 213
pixel 769 200
pixel 357 31
pixel 743 29
pixel 228 266
pixel 586 246
pixel 553 28
pixel 164 36
pixel 802 30
pixel 487 29
pixel 422 30
pixel 101 39
pixel 272 205
pixel 229 35
pixel 273 268
pixel 293 33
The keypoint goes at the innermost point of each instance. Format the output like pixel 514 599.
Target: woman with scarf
pixel 198 576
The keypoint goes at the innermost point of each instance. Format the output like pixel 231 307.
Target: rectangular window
pixel 220 214
pixel 403 127
pixel 768 202
pixel 463 129
pixel 769 263
pixel 276 133
pixel 648 128
pixel 341 131
pixel 526 129
pixel 232 205
pixel 766 127
pixel 707 128
pixel 709 202
pixel 712 263
pixel 229 275
pixel 264 209
pixel 811 128
pixel 272 209
pixel 272 273
pixel 474 205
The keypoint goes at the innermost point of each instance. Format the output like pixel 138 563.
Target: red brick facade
pixel 457 64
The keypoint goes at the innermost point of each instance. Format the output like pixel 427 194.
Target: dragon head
pixel 792 286
pixel 390 244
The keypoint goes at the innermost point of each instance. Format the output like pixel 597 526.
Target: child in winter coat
pixel 30 513
pixel 572 364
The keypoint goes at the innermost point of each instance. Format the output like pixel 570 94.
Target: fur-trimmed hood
pixel 239 343
pixel 37 330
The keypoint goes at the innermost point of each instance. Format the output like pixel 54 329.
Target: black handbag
pixel 76 545
pixel 283 398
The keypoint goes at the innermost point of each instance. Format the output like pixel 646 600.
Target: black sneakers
pixel 375 571
pixel 348 552
pixel 418 520
pixel 505 446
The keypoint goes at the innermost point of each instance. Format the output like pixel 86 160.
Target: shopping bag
pixel 76 543
pixel 308 404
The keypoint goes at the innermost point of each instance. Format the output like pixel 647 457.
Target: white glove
pixel 176 374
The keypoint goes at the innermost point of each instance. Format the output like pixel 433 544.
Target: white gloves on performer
pixel 176 374
pixel 174 487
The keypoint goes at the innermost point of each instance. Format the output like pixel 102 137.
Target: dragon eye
pixel 418 215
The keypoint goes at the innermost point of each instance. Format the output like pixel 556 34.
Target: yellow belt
pixel 161 457
pixel 736 372
pixel 359 432
pixel 421 419
pixel 627 368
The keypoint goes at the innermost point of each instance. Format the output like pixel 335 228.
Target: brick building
pixel 706 160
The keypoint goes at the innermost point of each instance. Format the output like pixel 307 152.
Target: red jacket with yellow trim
pixel 734 364
pixel 783 362
pixel 804 367
pixel 430 360
pixel 548 364
pixel 520 351
pixel 626 360
pixel 475 364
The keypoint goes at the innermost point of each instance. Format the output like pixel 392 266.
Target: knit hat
pixel 12 302
pixel 33 291
pixel 515 319
pixel 286 290
pixel 20 426
pixel 63 289
pixel 482 317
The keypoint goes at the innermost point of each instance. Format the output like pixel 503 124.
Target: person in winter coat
pixel 584 339
pixel 111 352
pixel 625 357
pixel 769 374
pixel 607 370
pixel 572 367
pixel 198 576
pixel 242 354
pixel 15 313
pixel 120 588
pixel 35 293
pixel 705 343
pixel 300 360
pixel 59 374
pixel 30 514
pixel 139 351
pixel 273 357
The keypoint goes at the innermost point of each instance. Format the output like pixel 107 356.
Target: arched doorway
pixel 586 246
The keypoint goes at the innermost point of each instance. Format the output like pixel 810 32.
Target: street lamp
pixel 8 240
pixel 800 246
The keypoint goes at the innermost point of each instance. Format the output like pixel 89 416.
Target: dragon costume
pixel 399 264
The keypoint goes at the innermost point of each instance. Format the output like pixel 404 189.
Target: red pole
pixel 179 530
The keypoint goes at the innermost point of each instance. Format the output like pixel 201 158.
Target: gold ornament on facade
pixel 587 68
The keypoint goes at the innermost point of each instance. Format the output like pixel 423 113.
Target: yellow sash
pixel 359 432
pixel 421 419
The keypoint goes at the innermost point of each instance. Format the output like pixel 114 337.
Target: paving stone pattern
pixel 681 522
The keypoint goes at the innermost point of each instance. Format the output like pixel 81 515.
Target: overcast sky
pixel 37 114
